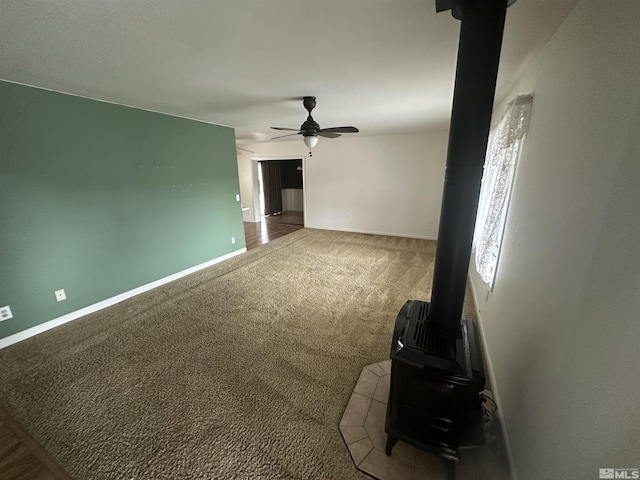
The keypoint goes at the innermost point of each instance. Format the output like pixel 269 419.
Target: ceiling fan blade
pixel 289 129
pixel 340 130
pixel 288 135
pixel 322 133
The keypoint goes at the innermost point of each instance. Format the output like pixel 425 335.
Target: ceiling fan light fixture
pixel 310 140
pixel 310 130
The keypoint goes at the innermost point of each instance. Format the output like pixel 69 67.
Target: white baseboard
pixel 494 386
pixel 374 232
pixel 43 327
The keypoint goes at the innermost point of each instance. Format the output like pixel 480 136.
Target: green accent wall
pixel 100 199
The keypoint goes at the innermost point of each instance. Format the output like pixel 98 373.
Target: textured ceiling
pixel 385 66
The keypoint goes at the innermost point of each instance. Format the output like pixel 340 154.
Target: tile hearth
pixel 362 428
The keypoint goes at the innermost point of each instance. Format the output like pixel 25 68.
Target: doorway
pixel 281 191
pixel 278 200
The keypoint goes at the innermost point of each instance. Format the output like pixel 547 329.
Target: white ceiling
pixel 384 66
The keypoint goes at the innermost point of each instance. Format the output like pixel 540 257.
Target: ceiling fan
pixel 310 130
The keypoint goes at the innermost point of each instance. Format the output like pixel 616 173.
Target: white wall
pixel 292 200
pixel 385 184
pixel 562 325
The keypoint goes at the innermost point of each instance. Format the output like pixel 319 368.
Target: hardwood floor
pixel 21 457
pixel 272 227
pixel 291 218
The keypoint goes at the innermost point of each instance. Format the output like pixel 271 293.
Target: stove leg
pixel 451 469
pixel 391 441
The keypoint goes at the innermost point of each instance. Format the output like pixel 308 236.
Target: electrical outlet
pixel 237 197
pixel 233 240
pixel 5 313
pixel 60 295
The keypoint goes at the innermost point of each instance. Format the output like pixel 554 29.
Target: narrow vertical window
pixel 503 151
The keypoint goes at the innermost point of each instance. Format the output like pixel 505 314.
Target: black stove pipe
pixel 481 28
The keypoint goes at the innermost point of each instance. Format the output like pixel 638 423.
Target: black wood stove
pixel 437 373
pixel 435 398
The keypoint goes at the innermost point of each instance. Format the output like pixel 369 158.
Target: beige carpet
pixel 242 370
